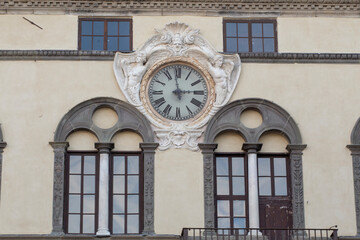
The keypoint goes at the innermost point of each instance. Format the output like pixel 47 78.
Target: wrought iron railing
pixel 258 234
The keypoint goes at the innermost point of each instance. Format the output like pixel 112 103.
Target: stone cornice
pixel 168 7
pixel 77 55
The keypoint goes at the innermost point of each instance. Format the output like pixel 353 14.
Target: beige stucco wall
pixel 59 32
pixel 320 97
pixel 318 34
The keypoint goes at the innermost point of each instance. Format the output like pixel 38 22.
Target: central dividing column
pixel 104 151
pixel 252 149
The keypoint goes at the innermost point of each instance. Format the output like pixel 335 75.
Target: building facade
pixel 136 119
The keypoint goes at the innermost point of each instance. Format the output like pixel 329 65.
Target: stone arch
pixel 80 118
pixel 274 117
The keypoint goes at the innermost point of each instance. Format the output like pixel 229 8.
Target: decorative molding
pixel 297 186
pixel 161 7
pixel 251 147
pixel 149 175
pixel 103 147
pixel 208 150
pixel 79 55
pixel 177 43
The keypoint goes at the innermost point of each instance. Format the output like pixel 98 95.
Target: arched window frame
pixel 80 118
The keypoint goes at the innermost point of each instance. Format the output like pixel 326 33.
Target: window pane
pixel 98 43
pixel 86 27
pixel 230 29
pixel 124 43
pixel 239 208
pixel 75 164
pixel 112 44
pixel 222 167
pixel 223 208
pixel 269 45
pixel 112 28
pixel 133 184
pixel 280 167
pixel 89 164
pixel 243 30
pixel 75 184
pixel 86 43
pixel 222 184
pixel 237 166
pixel 74 203
pixel 89 204
pixel 124 28
pixel 98 28
pixel 264 166
pixel 223 223
pixel 119 184
pixel 89 184
pixel 133 203
pixel 74 223
pixel 133 165
pixel 118 224
pixel 268 29
pixel 265 186
pixel 118 204
pixel 243 44
pixel 257 45
pixel 119 165
pixel 238 186
pixel 133 224
pixel 88 224
pixel 240 223
pixel 231 45
pixel 256 29
pixel 280 186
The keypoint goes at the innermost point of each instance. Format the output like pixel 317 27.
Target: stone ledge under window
pixel 79 55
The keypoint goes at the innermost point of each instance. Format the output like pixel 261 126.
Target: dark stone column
pixel 2 146
pixel 297 185
pixel 58 189
pixel 148 150
pixel 355 153
pixel 208 150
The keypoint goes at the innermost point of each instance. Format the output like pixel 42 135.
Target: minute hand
pixel 198 92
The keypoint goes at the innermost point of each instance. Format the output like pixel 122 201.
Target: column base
pixel 103 233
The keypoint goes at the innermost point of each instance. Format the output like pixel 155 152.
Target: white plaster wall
pixel 318 34
pixel 59 32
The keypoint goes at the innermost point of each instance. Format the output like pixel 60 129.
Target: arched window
pixel 106 188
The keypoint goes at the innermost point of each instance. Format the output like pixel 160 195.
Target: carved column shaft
pixel 355 152
pixel 297 184
pixel 58 194
pixel 207 150
pixel 2 146
pixel 149 166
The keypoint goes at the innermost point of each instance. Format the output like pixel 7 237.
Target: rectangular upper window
pixel 250 36
pixel 105 34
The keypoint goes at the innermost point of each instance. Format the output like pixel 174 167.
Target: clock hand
pixel 177 91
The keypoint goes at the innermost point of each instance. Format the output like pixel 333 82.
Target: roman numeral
pixel 178 72
pixel 195 102
pixel 198 92
pixel 167 74
pixel 159 102
pixel 167 109
pixel 196 82
pixel 159 92
pixel 188 75
pixel 160 82
pixel 178 114
pixel 189 111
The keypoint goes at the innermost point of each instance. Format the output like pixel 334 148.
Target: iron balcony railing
pixel 258 234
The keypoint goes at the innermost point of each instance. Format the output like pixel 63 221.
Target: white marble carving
pixel 177 42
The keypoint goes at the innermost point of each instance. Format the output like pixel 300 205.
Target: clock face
pixel 178 92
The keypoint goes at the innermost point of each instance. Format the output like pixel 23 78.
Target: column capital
pixel 148 147
pixel 104 147
pixel 354 148
pixel 251 147
pixel 2 146
pixel 293 148
pixel 59 145
pixel 207 147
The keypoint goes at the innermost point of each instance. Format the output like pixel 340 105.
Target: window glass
pixel 86 43
pixel 238 185
pixel 264 166
pixel 124 28
pixel 269 45
pixel 231 29
pixel 98 28
pixel 124 43
pixel 243 44
pixel 222 185
pixel 264 186
pixel 86 28
pixel 257 45
pixel 222 166
pixel 279 166
pixel 231 44
pixel 256 29
pixel 113 28
pixel 237 166
pixel 268 29
pixel 243 30
pixel 280 186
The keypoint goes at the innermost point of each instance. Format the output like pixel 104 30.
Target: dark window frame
pixel 249 22
pixel 106 20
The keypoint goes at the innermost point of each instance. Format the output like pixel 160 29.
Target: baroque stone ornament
pixel 177 44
